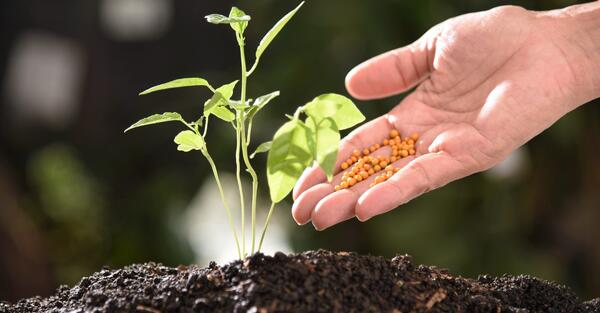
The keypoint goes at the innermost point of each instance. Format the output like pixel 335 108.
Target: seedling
pixel 295 146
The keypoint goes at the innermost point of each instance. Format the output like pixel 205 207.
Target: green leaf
pixel 261 102
pixel 223 113
pixel 237 104
pixel 212 103
pixel 227 90
pixel 156 119
pixel 326 143
pixel 341 109
pixel 272 33
pixel 263 147
pixel 178 83
pixel 222 19
pixel 188 140
pixel 238 27
pixel 219 98
pixel 287 159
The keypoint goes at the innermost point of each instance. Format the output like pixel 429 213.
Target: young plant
pixel 295 146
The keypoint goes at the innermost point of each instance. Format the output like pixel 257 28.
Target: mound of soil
pixel 314 281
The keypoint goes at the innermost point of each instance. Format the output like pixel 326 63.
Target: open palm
pixel 486 83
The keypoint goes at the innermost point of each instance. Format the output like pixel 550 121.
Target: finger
pixel 424 173
pixel 335 208
pixel 341 205
pixel 370 133
pixel 307 201
pixel 392 72
pixel 310 177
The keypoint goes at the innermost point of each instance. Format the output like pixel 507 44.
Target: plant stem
pixel 216 175
pixel 242 127
pixel 205 128
pixel 240 188
pixel 262 236
pixel 254 185
pixel 249 132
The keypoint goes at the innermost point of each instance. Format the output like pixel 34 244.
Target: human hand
pixel 487 83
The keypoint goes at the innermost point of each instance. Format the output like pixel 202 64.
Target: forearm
pixel 581 34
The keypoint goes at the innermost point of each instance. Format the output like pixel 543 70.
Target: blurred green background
pixel 77 194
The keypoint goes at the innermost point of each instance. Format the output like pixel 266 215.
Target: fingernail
pixel 317 228
pixel 363 218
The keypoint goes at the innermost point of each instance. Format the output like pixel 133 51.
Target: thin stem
pixel 205 128
pixel 188 125
pixel 254 185
pixel 216 175
pixel 249 132
pixel 240 188
pixel 252 69
pixel 262 236
pixel 242 127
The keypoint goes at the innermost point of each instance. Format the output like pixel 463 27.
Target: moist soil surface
pixel 314 281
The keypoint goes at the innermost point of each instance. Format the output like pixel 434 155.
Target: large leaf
pixel 179 83
pixel 188 140
pixel 156 119
pixel 261 102
pixel 222 19
pixel 238 27
pixel 287 159
pixel 326 142
pixel 263 147
pixel 341 109
pixel 272 33
pixel 223 113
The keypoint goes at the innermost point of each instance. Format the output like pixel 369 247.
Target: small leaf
pixel 187 141
pixel 156 119
pixel 200 121
pixel 327 140
pixel 223 113
pixel 237 104
pixel 222 19
pixel 219 98
pixel 263 147
pixel 238 27
pixel 261 102
pixel 178 83
pixel 272 33
pixel 210 104
pixel 227 90
pixel 287 159
pixel 341 109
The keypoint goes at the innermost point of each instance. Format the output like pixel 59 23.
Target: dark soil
pixel 315 281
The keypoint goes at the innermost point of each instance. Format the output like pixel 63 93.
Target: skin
pixel 486 83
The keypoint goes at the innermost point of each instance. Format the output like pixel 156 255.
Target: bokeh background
pixel 77 194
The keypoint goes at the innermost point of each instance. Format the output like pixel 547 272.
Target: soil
pixel 314 281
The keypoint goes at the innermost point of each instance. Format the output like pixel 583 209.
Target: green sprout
pixel 296 145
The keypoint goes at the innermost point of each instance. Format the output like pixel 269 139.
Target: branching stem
pixel 242 130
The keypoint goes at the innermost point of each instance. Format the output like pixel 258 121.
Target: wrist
pixel 578 31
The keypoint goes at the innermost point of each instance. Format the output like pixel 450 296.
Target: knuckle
pixel 508 10
pixel 424 180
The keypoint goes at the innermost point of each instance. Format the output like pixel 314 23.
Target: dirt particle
pixel 313 281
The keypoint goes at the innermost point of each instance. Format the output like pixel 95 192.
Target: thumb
pixel 392 72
